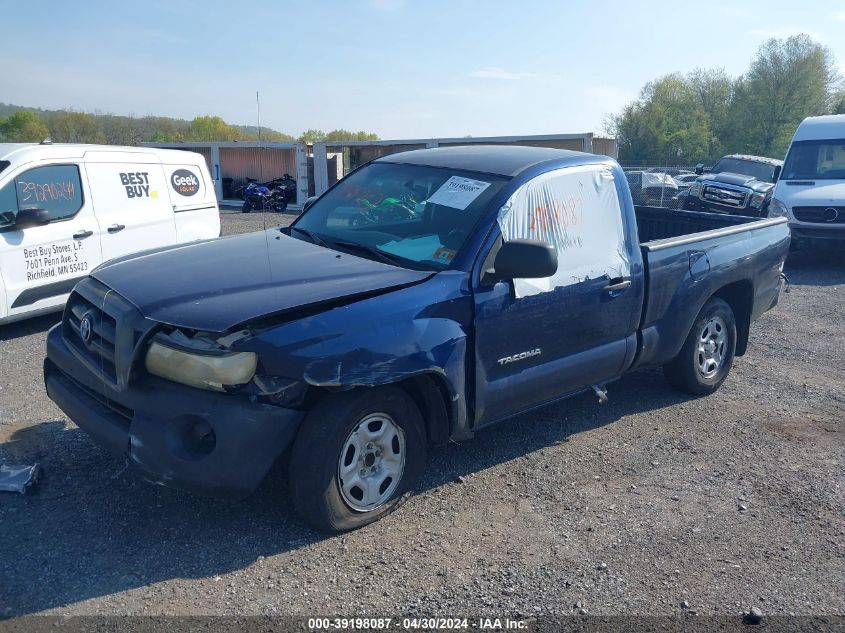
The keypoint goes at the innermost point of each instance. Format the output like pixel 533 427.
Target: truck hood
pixel 218 284
pixel 739 180
pixel 817 193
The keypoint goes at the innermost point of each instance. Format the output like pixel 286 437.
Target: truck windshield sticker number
pixel 458 192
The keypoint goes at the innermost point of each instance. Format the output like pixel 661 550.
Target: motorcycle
pixel 261 198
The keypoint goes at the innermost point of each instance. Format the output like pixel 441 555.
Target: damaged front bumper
pixel 212 443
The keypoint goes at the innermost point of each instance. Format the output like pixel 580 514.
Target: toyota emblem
pixel 86 328
pixel 831 214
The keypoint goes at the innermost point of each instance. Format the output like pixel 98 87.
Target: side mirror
pixel 309 202
pixel 699 169
pixel 31 217
pixel 525 259
pixel 776 175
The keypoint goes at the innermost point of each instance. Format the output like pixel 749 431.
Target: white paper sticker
pixel 458 192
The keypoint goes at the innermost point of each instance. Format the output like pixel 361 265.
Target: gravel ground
pixel 653 503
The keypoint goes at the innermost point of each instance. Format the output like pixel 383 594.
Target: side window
pixel 56 188
pixel 8 205
pixel 577 211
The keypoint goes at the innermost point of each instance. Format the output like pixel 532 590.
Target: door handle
pixel 617 285
pixel 81 235
pixel 116 228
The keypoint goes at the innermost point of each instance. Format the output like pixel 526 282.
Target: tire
pixel 330 445
pixel 707 356
pixel 247 207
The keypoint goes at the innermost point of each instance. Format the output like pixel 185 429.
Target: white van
pixel 65 209
pixel 811 189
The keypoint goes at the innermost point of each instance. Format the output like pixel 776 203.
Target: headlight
pixel 695 189
pixel 777 209
pixel 211 371
pixel 757 199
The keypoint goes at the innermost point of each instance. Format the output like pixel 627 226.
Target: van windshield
pixel 816 160
pixel 408 215
pixel 759 171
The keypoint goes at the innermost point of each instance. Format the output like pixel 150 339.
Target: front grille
pixel 99 350
pixel 822 215
pixel 723 195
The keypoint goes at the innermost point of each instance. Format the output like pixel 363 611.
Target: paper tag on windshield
pixel 458 192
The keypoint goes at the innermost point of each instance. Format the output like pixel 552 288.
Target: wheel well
pixel 431 395
pixel 740 297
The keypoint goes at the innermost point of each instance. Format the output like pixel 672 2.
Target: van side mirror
pixel 309 202
pixel 31 217
pixel 699 169
pixel 525 259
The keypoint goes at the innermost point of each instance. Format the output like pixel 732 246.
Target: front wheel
pixel 707 356
pixel 356 457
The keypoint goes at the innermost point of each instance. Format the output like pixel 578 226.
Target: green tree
pixel 212 128
pixel 665 125
pixel 839 104
pixel 75 127
pixel 787 81
pixel 318 136
pixel 713 91
pixel 23 126
pixel 312 136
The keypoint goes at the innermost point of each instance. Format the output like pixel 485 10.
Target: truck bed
pixel 657 223
pixel 688 256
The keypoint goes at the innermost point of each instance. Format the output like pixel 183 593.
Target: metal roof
pixel 503 160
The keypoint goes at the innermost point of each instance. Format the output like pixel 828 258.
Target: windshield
pixel 816 160
pixel 759 171
pixel 415 216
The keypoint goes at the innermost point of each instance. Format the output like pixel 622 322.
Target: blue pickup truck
pixel 425 296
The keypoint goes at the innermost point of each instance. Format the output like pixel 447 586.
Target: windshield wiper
pixel 388 258
pixel 311 235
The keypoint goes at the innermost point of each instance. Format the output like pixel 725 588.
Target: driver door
pixel 41 264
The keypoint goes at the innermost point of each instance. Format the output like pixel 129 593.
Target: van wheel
pixel 356 457
pixel 707 356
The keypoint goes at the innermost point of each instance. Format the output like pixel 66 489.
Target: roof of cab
pixel 502 160
pixel 25 152
pixel 816 128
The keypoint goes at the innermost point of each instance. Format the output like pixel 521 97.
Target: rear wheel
pixel 356 457
pixel 707 356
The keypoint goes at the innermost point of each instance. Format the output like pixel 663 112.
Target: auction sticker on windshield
pixel 458 192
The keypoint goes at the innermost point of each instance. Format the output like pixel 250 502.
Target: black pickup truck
pixel 427 295
pixel 737 184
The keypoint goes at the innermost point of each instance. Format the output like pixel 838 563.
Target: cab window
pixel 55 188
pixel 576 210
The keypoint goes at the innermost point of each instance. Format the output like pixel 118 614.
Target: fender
pixel 421 329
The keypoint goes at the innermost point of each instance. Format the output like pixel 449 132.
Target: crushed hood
pixel 216 285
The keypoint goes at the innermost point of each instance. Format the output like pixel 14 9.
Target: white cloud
pixel 502 74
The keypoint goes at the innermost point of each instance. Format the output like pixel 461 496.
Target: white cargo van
pixel 811 189
pixel 65 209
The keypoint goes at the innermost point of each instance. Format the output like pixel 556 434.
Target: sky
pixel 400 68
